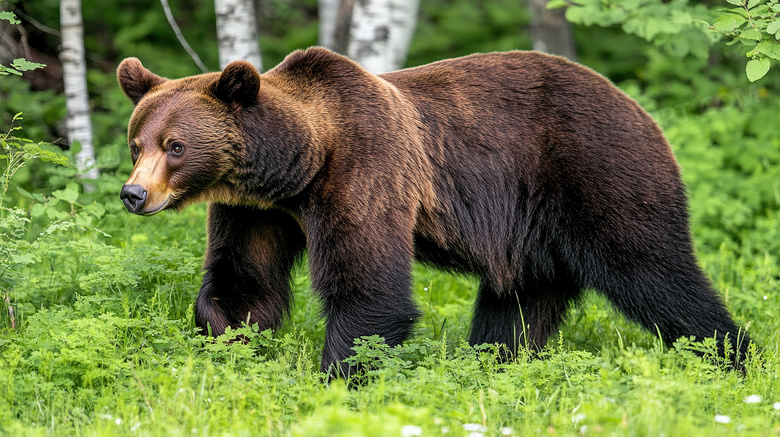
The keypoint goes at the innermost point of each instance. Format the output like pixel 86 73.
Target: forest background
pixel 96 329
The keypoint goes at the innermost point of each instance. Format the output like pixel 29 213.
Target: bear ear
pixel 136 80
pixel 238 84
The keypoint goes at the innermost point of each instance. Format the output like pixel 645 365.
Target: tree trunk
pixel 404 16
pixel 550 32
pixel 375 33
pixel 369 35
pixel 328 13
pixel 237 32
pixel 74 68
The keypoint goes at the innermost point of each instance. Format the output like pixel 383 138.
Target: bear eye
pixel 134 150
pixel 177 149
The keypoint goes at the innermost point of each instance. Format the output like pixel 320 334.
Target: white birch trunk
pixel 550 31
pixel 237 32
pixel 404 15
pixel 74 72
pixel 327 10
pixel 380 33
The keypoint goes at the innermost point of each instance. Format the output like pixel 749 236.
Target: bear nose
pixel 134 197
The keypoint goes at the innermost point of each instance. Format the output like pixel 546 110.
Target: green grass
pixel 124 359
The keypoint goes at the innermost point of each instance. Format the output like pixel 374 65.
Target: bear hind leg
pixel 674 298
pixel 524 316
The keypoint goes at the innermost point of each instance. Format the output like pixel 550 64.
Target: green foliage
pixel 754 24
pixel 18 65
pixel 680 28
pixel 15 251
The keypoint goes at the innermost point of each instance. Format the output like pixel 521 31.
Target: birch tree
pixel 550 31
pixel 74 70
pixel 327 10
pixel 237 32
pixel 375 33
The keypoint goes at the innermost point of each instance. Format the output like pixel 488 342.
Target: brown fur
pixel 533 173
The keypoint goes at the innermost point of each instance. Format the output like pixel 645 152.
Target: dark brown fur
pixel 531 172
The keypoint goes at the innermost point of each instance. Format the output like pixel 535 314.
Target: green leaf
pixel 735 2
pixel 29 195
pixel 725 24
pixel 69 195
pixel 751 34
pixel 22 64
pixel 757 68
pixel 768 48
pixel 752 3
pixel 555 4
pixel 9 16
pixel 773 27
pixel 6 70
pixel 37 210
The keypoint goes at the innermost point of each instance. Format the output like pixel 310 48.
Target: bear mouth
pixel 161 207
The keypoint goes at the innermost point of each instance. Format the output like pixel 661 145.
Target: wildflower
pixel 118 421
pixel 474 427
pixel 410 431
pixel 722 419
pixel 506 431
pixel 577 418
pixel 752 399
pixel 776 405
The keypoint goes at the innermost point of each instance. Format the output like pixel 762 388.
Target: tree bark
pixel 404 16
pixel 237 32
pixel 341 28
pixel 327 10
pixel 74 67
pixel 379 32
pixel 550 32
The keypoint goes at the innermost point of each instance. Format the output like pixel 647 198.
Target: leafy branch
pixel 755 25
pixel 680 27
pixel 19 65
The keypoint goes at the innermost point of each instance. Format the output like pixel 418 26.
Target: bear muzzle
pixel 135 198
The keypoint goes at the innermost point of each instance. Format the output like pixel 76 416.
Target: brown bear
pixel 531 172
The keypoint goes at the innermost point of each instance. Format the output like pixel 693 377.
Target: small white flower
pixel 174 370
pixel 583 428
pixel 506 431
pixel 752 399
pixel 118 421
pixel 474 427
pixel 445 429
pixel 425 289
pixel 577 418
pixel 410 430
pixel 776 405
pixel 765 297
pixel 722 419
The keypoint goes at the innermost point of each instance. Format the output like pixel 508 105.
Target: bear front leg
pixel 248 262
pixel 363 276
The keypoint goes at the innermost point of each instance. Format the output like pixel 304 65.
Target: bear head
pixel 182 136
